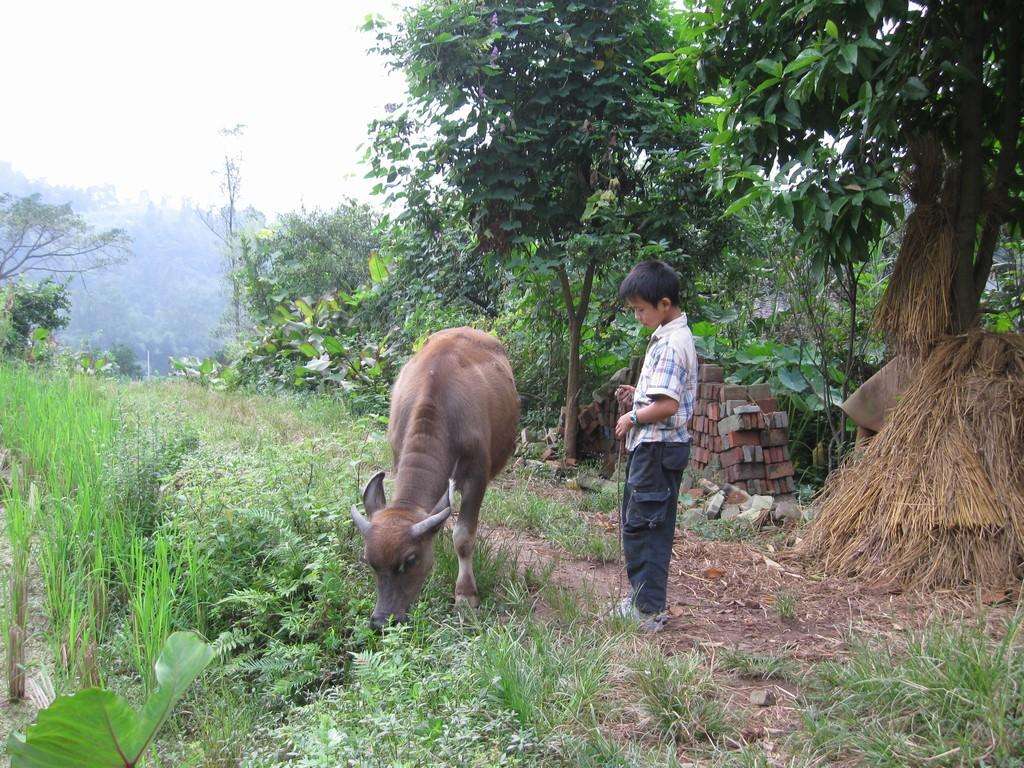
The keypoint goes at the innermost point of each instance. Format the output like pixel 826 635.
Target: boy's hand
pixel 624 394
pixel 622 426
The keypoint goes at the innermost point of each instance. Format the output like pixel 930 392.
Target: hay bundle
pixel 937 499
pixel 916 308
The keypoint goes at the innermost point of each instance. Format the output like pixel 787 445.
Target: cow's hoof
pixel 467 601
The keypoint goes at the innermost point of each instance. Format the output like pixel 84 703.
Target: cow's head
pixel 399 546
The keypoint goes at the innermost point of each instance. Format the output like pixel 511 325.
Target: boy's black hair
pixel 651 281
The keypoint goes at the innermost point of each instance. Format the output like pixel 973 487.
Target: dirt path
pixel 729 597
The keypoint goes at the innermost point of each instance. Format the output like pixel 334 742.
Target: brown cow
pixel 454 411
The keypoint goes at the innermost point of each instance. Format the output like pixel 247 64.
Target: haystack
pixel 937 498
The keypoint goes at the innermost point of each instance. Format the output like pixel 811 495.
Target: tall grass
pixel 19 516
pixel 63 430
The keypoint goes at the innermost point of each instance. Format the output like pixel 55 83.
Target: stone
pixel 692 518
pixel 785 511
pixel 730 511
pixel 761 503
pixel 713 508
pixel 736 495
pixel 747 408
pixel 707 485
pixel 763 698
pixel 752 516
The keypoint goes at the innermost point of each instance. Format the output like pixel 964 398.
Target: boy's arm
pixel 662 407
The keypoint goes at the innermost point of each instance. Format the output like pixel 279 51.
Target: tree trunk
pixel 576 315
pixel 572 388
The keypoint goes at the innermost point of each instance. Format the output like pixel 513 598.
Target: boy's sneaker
pixel 648 622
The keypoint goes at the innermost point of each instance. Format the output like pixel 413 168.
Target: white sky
pixel 134 93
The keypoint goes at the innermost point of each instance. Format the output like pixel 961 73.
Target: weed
pixel 678 693
pixel 951 696
pixel 785 605
pixel 758 666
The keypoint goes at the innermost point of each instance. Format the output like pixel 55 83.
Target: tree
pixel 308 254
pixel 544 119
pixel 227 223
pixel 25 307
pixel 53 239
pixel 827 107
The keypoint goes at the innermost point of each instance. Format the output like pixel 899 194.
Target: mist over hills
pixel 167 299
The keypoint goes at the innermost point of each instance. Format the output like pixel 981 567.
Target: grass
pixel 552 520
pixel 229 512
pixel 786 605
pixel 19 514
pixel 679 695
pixel 760 666
pixel 950 695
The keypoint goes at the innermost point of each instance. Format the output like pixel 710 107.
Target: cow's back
pixel 462 379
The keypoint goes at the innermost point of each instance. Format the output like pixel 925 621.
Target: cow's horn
pixel 361 522
pixel 441 511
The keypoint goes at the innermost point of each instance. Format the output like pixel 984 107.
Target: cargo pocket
pixel 675 456
pixel 646 509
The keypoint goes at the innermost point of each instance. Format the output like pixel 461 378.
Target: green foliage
pixel 815 105
pixel 98 728
pixel 29 312
pixel 313 346
pixel 308 253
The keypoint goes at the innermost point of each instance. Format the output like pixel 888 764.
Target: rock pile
pixel 728 502
pixel 739 430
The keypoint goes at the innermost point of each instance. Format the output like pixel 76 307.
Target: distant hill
pixel 168 299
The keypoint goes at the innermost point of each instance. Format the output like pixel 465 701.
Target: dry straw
pixel 916 308
pixel 937 498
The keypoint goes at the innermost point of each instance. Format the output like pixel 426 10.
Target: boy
pixel 656 438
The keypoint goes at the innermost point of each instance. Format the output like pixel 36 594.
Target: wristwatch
pixel 633 417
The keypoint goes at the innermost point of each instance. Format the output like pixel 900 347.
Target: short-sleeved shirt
pixel 670 369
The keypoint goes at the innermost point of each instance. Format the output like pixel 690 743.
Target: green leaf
pixel 792 379
pixel 738 205
pixel 99 729
pixel 915 89
pixel 831 29
pixel 378 268
pixel 333 346
pixel 703 328
pixel 40 334
pixel 304 308
pixel 444 37
pixel 874 8
pixel 770 66
pixel 716 101
pixel 807 57
pixel 660 57
pixel 307 349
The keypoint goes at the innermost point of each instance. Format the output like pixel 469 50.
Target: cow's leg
pixel 465 540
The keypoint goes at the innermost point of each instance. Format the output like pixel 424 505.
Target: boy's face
pixel 650 315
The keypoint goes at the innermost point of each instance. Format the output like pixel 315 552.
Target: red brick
pixel 742 437
pixel 758 391
pixel 744 472
pixel 717 444
pixel 767 404
pixel 714 410
pixel 732 456
pixel 782 469
pixel 774 437
pixel 712 373
pixel 731 392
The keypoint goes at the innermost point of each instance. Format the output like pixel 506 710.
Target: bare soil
pixel 725 595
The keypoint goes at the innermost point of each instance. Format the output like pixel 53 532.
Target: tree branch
pixel 1008 134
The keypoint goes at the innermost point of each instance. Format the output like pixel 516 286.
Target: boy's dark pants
pixel 653 474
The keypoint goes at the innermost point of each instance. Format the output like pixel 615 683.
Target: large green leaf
pixel 99 729
pixel 792 379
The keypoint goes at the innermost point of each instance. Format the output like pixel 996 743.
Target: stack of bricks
pixel 739 430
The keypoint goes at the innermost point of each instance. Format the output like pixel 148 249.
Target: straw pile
pixel 916 308
pixel 937 499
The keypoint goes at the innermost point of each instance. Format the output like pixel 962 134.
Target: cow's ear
pixel 373 495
